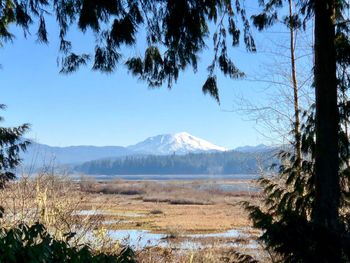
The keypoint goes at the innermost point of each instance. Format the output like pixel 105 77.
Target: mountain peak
pixel 181 134
pixel 180 143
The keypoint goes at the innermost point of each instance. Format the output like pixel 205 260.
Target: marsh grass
pixel 52 200
pixel 186 205
pixel 213 254
pixel 175 208
pixel 183 193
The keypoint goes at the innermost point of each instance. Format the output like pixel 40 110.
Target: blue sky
pixel 90 108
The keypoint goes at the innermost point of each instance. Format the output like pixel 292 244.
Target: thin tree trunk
pixel 327 189
pixel 346 120
pixel 297 134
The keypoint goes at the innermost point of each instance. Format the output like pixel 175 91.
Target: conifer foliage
pixel 34 244
pixel 175 33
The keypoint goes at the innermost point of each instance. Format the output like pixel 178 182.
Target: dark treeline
pixel 231 162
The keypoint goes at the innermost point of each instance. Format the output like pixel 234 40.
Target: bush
pixel 34 244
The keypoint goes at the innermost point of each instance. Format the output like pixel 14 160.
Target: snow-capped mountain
pixel 179 143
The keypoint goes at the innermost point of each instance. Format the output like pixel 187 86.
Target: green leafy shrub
pixel 34 244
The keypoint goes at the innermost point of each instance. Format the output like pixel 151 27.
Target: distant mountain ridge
pixel 41 154
pixel 253 149
pixel 178 143
pixel 182 143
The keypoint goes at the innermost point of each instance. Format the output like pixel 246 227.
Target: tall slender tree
pixel 297 134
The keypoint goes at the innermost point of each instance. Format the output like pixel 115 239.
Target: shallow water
pixel 139 239
pixel 234 233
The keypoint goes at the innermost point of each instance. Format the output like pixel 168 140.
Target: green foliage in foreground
pixel 35 244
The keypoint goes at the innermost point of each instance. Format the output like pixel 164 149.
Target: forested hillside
pixel 231 162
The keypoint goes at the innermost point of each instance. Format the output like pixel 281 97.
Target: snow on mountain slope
pixel 179 143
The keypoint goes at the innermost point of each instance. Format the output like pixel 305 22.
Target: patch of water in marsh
pixel 137 238
pixel 140 239
pixel 234 233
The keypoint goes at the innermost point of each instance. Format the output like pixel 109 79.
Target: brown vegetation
pixel 51 200
pixel 185 205
pixel 91 208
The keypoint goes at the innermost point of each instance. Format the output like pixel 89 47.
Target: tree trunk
pixel 327 189
pixel 297 135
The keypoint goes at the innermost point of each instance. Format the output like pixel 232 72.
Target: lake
pixel 177 177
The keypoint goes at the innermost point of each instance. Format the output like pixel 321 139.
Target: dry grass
pixel 176 208
pixel 184 205
pixel 152 205
pixel 52 200
pixel 156 254
pixel 206 255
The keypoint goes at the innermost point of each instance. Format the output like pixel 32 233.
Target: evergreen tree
pixel 11 144
pixel 305 216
